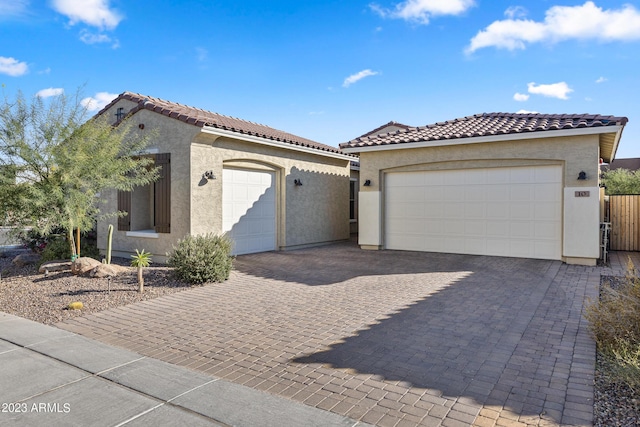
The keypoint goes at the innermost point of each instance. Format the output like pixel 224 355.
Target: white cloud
pixel 96 13
pixel 555 90
pixel 421 11
pixel 520 97
pixel 92 38
pixel 12 67
pixel 99 101
pixel 202 54
pixel 515 12
pixel 47 93
pixel 358 76
pixel 13 7
pixel 526 112
pixel 586 22
pixel 601 80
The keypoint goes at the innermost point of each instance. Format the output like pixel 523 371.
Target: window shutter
pixel 124 205
pixel 162 194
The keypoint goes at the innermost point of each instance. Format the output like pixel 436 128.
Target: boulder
pixel 84 265
pixel 28 258
pixel 107 270
pixel 55 265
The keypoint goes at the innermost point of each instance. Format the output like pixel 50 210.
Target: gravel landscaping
pixel 615 403
pixel 29 294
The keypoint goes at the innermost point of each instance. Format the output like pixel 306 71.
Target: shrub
pixel 201 259
pixel 58 248
pixel 615 323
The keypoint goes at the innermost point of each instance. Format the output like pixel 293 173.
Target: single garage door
pixel 249 209
pixel 510 211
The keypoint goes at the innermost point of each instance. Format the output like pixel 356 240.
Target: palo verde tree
pixel 621 181
pixel 60 163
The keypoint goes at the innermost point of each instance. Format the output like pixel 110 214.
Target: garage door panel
pixel 249 210
pixel 453 210
pixel 513 211
pixel 474 210
pixel 454 193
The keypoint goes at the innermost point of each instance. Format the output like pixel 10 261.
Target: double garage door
pixel 249 209
pixel 509 211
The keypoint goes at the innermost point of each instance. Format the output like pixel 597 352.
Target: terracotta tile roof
pixel 487 124
pixel 202 118
pixel 379 128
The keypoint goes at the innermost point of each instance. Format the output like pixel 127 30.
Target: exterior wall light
pixel 367 183
pixel 297 182
pixel 208 175
pixel 582 176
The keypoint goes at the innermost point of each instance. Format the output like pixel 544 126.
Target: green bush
pixel 201 259
pixel 58 248
pixel 615 323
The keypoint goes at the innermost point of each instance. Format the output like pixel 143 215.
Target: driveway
pixel 386 337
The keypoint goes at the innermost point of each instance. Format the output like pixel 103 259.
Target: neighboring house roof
pixel 391 124
pixel 632 164
pixel 203 118
pixel 492 125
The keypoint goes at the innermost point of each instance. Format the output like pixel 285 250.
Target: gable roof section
pixel 497 126
pixel 377 130
pixel 202 118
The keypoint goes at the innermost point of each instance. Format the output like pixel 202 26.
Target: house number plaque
pixel 582 194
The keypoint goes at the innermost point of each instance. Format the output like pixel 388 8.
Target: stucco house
pixel 520 185
pixel 267 189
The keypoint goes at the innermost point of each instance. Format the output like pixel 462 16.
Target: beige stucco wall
pixel 314 213
pixel 167 136
pixel 574 153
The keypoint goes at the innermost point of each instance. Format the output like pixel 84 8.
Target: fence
pixel 624 215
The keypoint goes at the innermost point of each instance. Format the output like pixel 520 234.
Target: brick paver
pixel 387 337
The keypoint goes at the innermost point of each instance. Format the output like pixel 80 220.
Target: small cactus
pixel 109 243
pixel 77 305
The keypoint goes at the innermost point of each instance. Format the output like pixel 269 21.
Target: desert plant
pixel 615 323
pixel 201 259
pixel 76 305
pixel 56 248
pixel 141 260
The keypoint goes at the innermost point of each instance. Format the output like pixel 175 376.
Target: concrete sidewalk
pixel 57 378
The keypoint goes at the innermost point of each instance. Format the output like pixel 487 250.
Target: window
pixel 148 207
pixel 352 200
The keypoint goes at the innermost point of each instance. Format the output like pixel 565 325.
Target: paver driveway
pixel 386 337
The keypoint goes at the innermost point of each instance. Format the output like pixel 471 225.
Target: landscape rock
pixel 107 270
pixel 55 265
pixel 29 258
pixel 84 265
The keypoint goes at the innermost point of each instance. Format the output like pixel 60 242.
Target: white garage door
pixel 249 209
pixel 513 211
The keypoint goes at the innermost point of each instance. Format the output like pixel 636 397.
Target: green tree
pixel 621 181
pixel 63 162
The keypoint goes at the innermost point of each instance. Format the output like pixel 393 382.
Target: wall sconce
pixel 582 175
pixel 297 182
pixel 367 183
pixel 208 175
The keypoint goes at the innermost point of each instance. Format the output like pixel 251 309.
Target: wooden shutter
pixel 124 205
pixel 162 195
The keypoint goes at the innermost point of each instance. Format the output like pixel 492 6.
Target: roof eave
pixel 273 143
pixel 490 138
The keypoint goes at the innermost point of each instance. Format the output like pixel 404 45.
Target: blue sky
pixel 332 70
